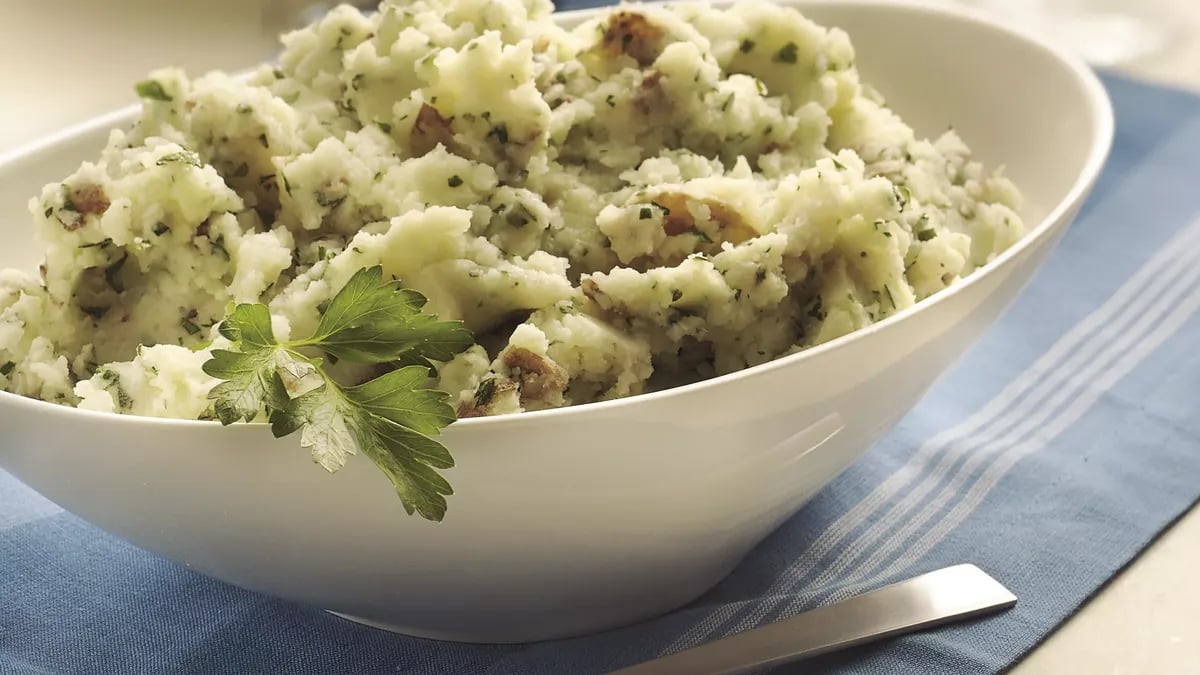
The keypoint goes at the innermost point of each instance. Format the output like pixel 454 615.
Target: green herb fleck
pixel 926 235
pixel 190 326
pixel 185 157
pixel 817 311
pixel 262 138
pixel 892 299
pixel 454 181
pixel 160 229
pixel 323 198
pixel 500 131
pixel 786 53
pixel 387 128
pixel 747 46
pixel 676 294
pixel 645 213
pixel 68 204
pixel 153 90
pixel 244 109
pixel 96 313
pixel 112 274
pixel 7 368
pixel 484 392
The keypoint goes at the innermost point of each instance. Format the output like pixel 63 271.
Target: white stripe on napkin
pixel 1039 381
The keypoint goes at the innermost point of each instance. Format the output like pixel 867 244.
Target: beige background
pixel 64 61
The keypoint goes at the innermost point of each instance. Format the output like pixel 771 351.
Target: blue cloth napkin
pixel 1055 451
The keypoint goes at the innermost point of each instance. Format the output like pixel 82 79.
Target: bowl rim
pixel 1099 105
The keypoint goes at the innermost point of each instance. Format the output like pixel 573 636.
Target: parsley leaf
pixel 373 321
pixel 391 419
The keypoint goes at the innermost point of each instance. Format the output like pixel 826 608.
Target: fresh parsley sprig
pixel 391 419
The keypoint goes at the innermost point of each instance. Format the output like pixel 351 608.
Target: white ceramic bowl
pixel 581 519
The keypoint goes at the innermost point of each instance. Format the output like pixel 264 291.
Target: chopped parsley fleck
pixel 611 100
pixel 747 46
pixel 7 368
pixel 49 210
pixel 244 109
pixel 645 213
pixel 278 74
pixel 96 313
pixel 387 128
pixel 665 210
pixel 190 326
pixel 786 53
pixel 325 199
pixel 218 245
pixel 160 229
pixel 817 311
pixel 184 157
pixel 676 294
pixel 153 90
pixel 112 274
pixel 926 235
pixel 485 392
pixel 518 217
pixel 262 138
pixel 760 275
pixel 454 181
pixel 68 204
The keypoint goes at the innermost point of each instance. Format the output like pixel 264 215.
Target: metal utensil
pixel 943 596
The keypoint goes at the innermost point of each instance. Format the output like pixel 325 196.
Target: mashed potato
pixel 659 194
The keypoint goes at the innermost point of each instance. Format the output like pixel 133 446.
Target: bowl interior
pixel 1015 103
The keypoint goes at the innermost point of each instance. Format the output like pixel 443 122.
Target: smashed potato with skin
pixel 658 194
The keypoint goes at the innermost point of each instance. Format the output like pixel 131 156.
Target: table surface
pixel 1144 621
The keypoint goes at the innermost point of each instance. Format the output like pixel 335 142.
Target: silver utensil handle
pixel 943 596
